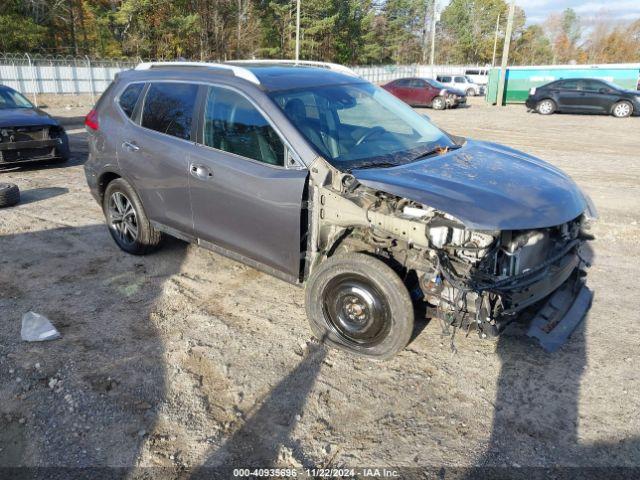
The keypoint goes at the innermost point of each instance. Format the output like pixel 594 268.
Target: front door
pixel 154 154
pixel 244 198
pixel 598 97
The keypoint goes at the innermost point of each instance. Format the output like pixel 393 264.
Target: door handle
pixel 200 171
pixel 131 146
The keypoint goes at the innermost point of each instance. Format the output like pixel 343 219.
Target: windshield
pixel 360 125
pixel 610 84
pixel 436 83
pixel 12 99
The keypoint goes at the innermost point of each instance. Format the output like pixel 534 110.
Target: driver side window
pixel 232 124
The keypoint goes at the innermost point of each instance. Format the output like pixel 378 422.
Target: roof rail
pixel 302 63
pixel 238 71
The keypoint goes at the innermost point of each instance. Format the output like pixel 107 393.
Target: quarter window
pixel 234 125
pixel 129 98
pixel 168 108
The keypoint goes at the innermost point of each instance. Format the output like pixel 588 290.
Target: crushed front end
pixel 33 143
pixel 485 280
pixel 469 279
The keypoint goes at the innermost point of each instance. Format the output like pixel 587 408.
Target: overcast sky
pixel 537 10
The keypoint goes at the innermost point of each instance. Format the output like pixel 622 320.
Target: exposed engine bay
pixel 468 279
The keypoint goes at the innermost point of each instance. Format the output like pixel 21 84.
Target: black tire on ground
pixel 357 303
pixel 127 221
pixel 622 109
pixel 9 194
pixel 546 106
pixel 438 103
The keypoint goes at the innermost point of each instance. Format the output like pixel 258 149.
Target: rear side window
pixel 461 80
pixel 168 108
pixel 405 82
pixel 417 83
pixel 234 125
pixel 444 79
pixel 569 85
pixel 129 98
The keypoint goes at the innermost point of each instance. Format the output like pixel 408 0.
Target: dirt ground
pixel 186 360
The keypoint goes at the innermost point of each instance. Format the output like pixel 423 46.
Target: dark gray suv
pixel 321 178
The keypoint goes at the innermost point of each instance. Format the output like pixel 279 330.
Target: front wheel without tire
pixel 127 221
pixel 358 303
pixel 622 109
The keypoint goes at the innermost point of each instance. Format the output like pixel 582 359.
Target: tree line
pixel 344 31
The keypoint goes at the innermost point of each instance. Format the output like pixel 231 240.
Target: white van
pixel 478 75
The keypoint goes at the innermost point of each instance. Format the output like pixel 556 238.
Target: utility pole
pixel 495 42
pixel 298 31
pixel 425 28
pixel 433 39
pixel 505 54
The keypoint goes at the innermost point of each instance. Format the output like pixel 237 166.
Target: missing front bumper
pixel 561 314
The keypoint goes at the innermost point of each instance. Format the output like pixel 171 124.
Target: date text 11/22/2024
pixel 316 472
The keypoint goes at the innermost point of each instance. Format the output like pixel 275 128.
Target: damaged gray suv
pixel 322 179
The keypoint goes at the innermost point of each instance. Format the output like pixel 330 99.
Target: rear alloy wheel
pixel 546 107
pixel 438 103
pixel 9 194
pixel 127 221
pixel 622 109
pixel 357 303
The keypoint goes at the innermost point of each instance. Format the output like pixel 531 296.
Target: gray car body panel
pixel 251 210
pixel 486 186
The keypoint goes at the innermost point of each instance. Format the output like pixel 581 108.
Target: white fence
pixel 75 75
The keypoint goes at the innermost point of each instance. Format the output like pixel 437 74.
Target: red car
pixel 420 92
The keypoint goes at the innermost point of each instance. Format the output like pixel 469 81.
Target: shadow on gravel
pixel 90 398
pixel 537 416
pixel 38 194
pixel 258 442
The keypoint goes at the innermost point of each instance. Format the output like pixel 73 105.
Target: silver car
pixel 325 180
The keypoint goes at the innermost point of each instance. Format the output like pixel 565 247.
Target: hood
pixel 485 185
pixel 456 91
pixel 24 117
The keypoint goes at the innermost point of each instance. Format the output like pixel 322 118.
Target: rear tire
pixel 622 109
pixel 127 220
pixel 357 303
pixel 9 195
pixel 546 107
pixel 471 92
pixel 438 103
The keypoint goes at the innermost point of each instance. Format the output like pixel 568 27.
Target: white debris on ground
pixel 37 328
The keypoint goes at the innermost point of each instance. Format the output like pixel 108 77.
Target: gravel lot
pixel 185 359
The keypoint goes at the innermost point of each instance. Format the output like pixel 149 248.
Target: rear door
pixel 419 92
pixel 244 198
pixel 154 152
pixel 570 98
